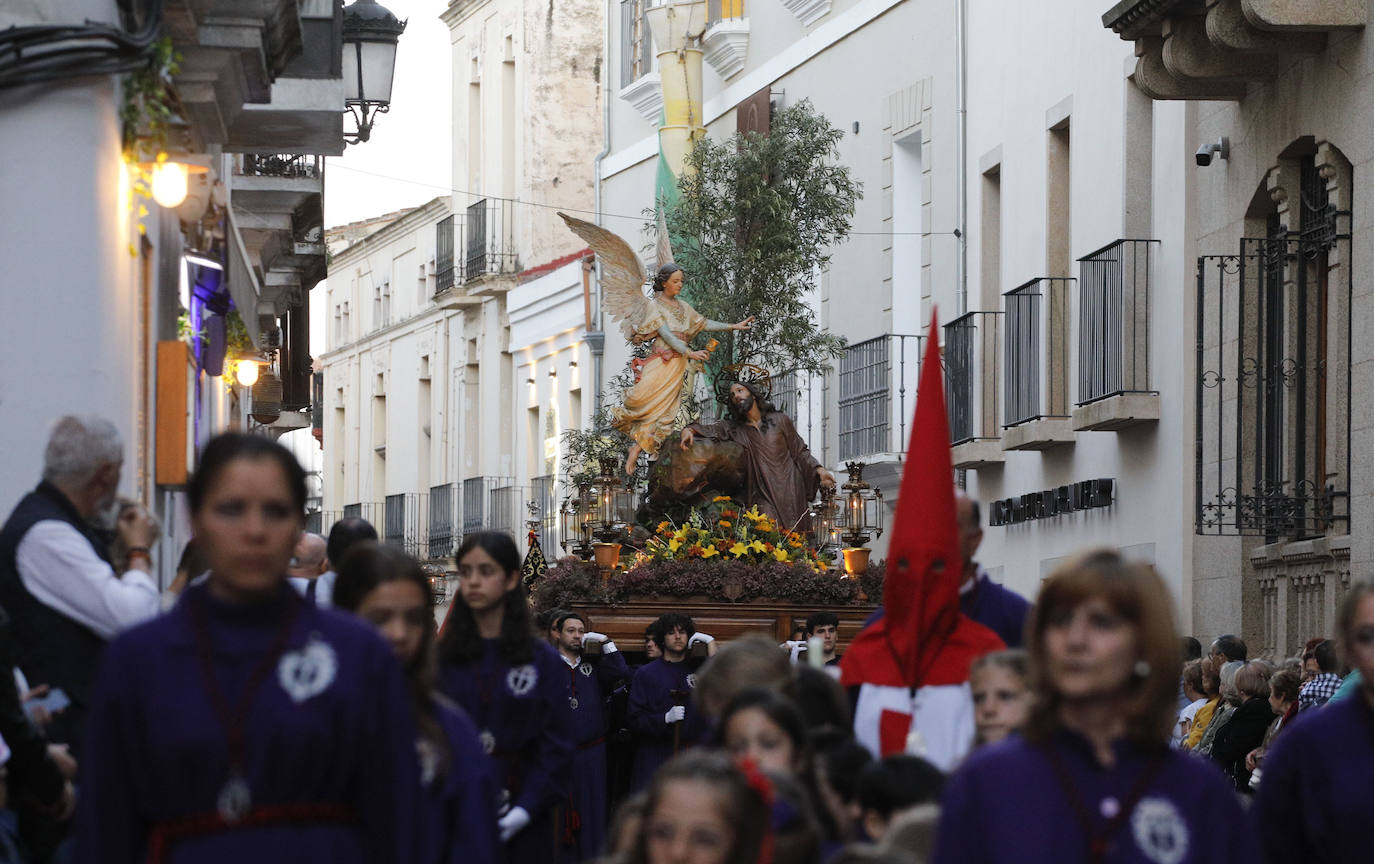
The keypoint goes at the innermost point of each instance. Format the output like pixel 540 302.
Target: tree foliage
pixel 754 222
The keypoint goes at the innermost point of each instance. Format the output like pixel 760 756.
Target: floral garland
pixel 724 529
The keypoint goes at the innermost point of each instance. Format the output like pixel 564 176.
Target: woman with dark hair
pixel 1092 777
pixel 702 808
pixel 510 683
pixel 1284 688
pixel 386 587
pixel 248 724
pixel 650 408
pixel 768 728
pixel 1313 803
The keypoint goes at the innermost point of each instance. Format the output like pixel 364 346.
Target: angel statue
pixel 651 406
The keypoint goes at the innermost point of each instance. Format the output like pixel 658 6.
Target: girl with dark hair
pixel 704 809
pixel 768 728
pixel 387 588
pixel 1092 777
pixel 509 682
pixel 649 411
pixel 248 724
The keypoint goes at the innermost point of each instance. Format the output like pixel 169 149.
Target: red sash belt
pixel 164 834
pixel 638 363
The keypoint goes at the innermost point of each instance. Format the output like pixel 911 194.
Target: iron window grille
pixel 488 240
pixel 441 521
pixel 864 398
pixel 1114 320
pixel 1272 385
pixel 636 45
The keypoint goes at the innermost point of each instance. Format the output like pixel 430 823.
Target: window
pixel 338 324
pixel 990 239
pixel 636 45
pixel 864 399
pixel 1058 237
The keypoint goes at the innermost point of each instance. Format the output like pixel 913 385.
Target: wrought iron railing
pixel 973 360
pixel 443 255
pixel 544 493
pixel 483 509
pixel 442 521
pixel 875 376
pixel 1273 386
pixel 404 522
pixel 303 165
pixel 486 240
pixel 1037 350
pixel 507 511
pixel 1114 320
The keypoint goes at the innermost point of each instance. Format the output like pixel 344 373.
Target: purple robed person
pixel 330 725
pixel 248 724
pixel 511 685
pixel 657 688
pixel 522 718
pixel 587 685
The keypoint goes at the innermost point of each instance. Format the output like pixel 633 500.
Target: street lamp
pixel 576 522
pixel 370 34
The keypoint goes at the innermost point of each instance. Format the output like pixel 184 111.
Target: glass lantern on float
pixel 575 522
pixel 862 518
pixel 825 521
pixel 609 516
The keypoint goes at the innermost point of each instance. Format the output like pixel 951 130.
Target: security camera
pixel 1222 148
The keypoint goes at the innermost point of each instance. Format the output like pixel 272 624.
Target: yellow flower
pixel 708 551
pixel 780 554
pixel 674 544
pixel 739 549
pixel 756 546
pixel 763 525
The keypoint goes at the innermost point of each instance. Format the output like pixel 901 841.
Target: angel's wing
pixel 622 273
pixel 665 243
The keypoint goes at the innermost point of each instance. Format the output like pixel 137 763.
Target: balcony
pixel 485 246
pixel 278 207
pixel 877 395
pixel 972 393
pixel 1036 413
pixel 261 75
pixel 726 41
pixel 1187 49
pixel 405 524
pixel 443 539
pixel 1114 338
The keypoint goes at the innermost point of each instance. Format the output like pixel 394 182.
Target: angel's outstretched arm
pixel 672 341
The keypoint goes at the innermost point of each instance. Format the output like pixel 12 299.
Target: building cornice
pixel 416 218
pixel 1132 18
pixel 431 315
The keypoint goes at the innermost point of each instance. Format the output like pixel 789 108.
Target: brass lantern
pixel 862 516
pixel 825 519
pixel 575 522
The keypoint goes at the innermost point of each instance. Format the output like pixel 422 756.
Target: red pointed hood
pixel 924 636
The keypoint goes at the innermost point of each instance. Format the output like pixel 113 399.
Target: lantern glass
pixel 368 67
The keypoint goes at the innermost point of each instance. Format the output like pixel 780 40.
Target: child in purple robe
pixel 247 724
pixel 1092 777
pixel 594 668
pixel 661 712
pixel 386 587
pixel 511 685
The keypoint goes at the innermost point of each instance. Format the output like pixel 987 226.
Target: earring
pixel 1142 669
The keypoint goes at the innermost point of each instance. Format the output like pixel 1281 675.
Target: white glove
pixel 703 638
pixel 607 647
pixel 514 820
pixel 794 648
pixel 676 714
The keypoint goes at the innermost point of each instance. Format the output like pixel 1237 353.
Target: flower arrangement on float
pixel 724 530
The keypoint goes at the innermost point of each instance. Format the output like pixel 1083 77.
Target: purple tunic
pixel 1007 804
pixel 998 608
pixel 460 807
pixel 522 714
pixel 651 695
pixel 591 684
pixel 1316 790
pixel 329 723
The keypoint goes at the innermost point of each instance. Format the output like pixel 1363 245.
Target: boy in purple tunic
pixel 594 668
pixel 661 712
pixel 511 685
pixel 247 724
pixel 1316 792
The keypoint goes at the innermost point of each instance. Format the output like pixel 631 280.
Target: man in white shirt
pixel 308 563
pixel 56 579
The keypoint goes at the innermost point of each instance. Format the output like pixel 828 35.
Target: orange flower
pixel 720 498
pixel 728 514
pixel 694 552
pixel 768 547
